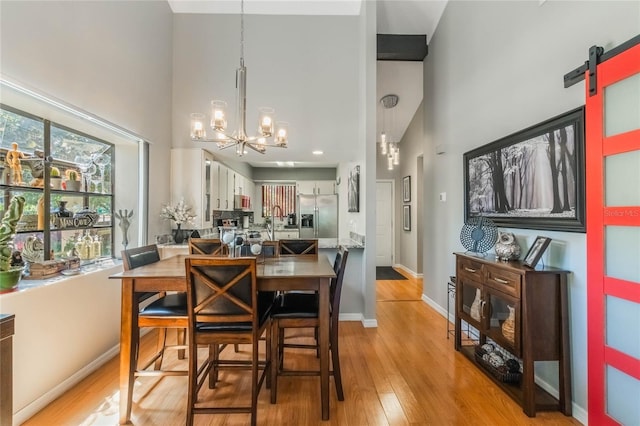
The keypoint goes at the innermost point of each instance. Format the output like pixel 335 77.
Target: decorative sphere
pixel 227 237
pixel 495 360
pixel 239 240
pixel 488 347
pixel 512 365
pixel 256 248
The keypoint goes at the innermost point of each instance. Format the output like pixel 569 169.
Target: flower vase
pixel 508 326
pixel 475 306
pixel 177 234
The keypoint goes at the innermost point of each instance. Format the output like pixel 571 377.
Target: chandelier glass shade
pixel 388 146
pixel 270 133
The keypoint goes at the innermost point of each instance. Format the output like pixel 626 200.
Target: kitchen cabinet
pixel 321 187
pixel 61 218
pixel 524 312
pixel 192 179
pixel 225 200
pixel 286 234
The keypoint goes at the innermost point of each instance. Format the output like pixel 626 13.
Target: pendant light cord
pixel 241 32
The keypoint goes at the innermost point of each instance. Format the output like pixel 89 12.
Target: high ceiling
pixel 393 17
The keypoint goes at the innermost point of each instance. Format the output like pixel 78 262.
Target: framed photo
pixel 535 252
pixel 406 189
pixel 406 218
pixel 531 179
pixel 353 194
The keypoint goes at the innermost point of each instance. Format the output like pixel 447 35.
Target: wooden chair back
pixel 210 246
pixel 307 248
pixel 339 266
pixel 139 256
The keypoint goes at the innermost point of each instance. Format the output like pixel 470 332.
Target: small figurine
pixel 16 258
pixel 12 159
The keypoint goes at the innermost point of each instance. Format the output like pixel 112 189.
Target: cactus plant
pixel 55 172
pixel 72 174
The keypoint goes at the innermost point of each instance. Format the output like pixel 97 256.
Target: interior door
pixel 613 240
pixel 384 223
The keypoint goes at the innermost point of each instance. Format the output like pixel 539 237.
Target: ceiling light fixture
pixel 239 138
pixel 388 146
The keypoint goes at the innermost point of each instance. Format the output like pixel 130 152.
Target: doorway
pixel 385 224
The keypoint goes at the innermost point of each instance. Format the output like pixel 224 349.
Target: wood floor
pixel 404 372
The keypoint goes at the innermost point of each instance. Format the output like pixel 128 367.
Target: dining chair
pixel 299 247
pixel 300 310
pixel 210 246
pixel 167 311
pixel 224 308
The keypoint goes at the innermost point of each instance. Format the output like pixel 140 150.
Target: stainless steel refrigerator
pixel 318 216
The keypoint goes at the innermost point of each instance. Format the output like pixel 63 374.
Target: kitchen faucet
pixel 271 227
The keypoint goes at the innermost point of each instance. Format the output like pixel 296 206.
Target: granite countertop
pixel 323 243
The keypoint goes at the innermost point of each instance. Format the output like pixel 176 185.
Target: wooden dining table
pixel 274 274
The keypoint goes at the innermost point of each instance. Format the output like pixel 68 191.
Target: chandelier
pixel 388 146
pixel 270 133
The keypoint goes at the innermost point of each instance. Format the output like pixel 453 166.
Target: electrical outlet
pixel 443 196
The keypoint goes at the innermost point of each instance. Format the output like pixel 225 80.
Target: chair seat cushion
pixel 169 305
pixel 296 305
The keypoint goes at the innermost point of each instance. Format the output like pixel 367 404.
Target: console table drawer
pixel 504 281
pixel 470 269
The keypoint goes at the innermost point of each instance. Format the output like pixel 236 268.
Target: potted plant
pixel 56 179
pixel 73 180
pixel 10 275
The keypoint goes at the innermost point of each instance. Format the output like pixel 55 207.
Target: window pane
pixel 622 251
pixel 622 397
pixel 282 196
pixel 622 106
pixel 623 326
pixel 622 179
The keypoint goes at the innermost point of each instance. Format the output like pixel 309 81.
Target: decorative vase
pixel 9 279
pixel 178 238
pixel 508 326
pixel 62 210
pixel 475 306
pixel 507 247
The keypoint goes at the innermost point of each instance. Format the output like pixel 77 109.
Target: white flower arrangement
pixel 180 213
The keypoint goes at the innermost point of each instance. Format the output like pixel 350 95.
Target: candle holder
pixel 228 237
pixel 255 246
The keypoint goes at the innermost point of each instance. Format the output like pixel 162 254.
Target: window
pixel 283 196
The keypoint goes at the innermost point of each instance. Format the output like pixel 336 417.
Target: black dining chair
pixel 300 310
pixel 167 311
pixel 224 308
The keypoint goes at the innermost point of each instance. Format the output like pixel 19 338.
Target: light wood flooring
pixel 404 372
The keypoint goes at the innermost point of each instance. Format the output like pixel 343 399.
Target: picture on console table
pixel 531 179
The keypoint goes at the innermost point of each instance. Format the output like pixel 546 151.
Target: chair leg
pixel 162 340
pixel 214 356
pixel 236 348
pixel 193 378
pixel 181 340
pixel 335 360
pixel 275 361
pixel 280 334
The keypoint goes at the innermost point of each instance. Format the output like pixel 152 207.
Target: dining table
pixel 272 274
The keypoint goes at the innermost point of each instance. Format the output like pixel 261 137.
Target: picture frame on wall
pixel 406 189
pixel 536 251
pixel 534 178
pixel 406 218
pixel 353 192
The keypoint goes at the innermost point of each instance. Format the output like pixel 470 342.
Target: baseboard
pixel 408 271
pixel 36 406
pixel 436 307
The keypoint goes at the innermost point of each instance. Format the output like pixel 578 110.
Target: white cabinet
pixel 192 179
pixel 251 192
pixel 287 234
pixel 316 187
pixel 226 201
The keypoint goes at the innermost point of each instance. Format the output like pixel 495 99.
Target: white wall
pixel 112 59
pixel 495 68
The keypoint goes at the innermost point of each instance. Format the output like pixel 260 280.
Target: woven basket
pixel 503 376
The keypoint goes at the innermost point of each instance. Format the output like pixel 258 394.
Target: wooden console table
pixel 7 326
pixel 538 299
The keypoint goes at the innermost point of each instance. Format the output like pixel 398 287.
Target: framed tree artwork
pixel 531 179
